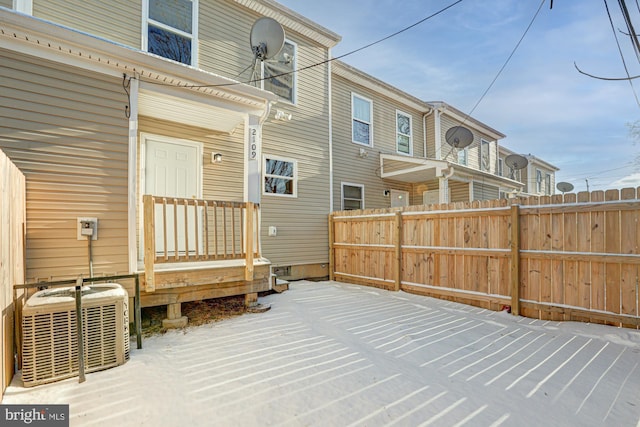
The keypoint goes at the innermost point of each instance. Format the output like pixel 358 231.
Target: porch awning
pixel 410 169
pixel 415 170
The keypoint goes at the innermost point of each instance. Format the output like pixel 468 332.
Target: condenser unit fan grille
pixel 50 347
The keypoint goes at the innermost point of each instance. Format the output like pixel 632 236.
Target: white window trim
pixel 350 184
pixel 466 156
pixel 354 95
pixel 23 6
pixel 294 101
pixel 410 135
pixel 547 179
pixel 193 36
pixel 295 176
pixel 539 182
pixel 484 142
pixel 500 166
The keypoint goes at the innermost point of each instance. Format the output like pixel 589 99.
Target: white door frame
pixel 144 136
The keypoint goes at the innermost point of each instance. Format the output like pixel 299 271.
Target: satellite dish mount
pixel 266 38
pixel 516 162
pixel 459 137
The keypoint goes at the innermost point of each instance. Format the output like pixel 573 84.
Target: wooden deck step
pixel 280 285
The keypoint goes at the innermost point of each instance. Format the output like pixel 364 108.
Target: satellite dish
pixel 516 161
pixel 459 137
pixel 267 38
pixel 564 187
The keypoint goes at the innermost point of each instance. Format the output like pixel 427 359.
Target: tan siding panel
pixel 459 191
pixel 67 132
pixel 6 3
pixel 117 20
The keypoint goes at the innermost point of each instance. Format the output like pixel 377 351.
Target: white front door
pixel 173 169
pixel 399 198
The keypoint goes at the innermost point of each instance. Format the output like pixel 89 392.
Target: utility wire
pixel 633 89
pixel 256 80
pixel 507 61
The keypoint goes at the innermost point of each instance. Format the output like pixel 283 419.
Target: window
pixel 485 157
pixel 280 176
pixel 515 174
pixel 361 113
pixel 352 197
pixel 171 28
pixel 500 167
pixel 403 133
pixel 547 184
pixel 462 156
pixel 538 181
pixel 279 76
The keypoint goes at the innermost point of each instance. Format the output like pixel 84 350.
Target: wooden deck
pixel 200 249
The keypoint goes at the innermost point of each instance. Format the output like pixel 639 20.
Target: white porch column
pixel 253 160
pixel 444 189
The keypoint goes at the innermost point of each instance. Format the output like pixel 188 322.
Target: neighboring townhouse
pixel 390 148
pixel 104 102
pixel 538 176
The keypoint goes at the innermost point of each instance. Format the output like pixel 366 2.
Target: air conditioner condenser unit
pixel 49 340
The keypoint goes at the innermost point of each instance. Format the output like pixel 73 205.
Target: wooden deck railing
pixel 178 230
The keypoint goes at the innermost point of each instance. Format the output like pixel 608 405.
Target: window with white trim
pixel 280 176
pixel 352 196
pixel 171 29
pixel 403 133
pixel 278 73
pixel 538 181
pixel 463 153
pixel 500 167
pixel 485 156
pixel 361 114
pixel 547 184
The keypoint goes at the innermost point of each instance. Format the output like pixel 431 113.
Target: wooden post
pixel 79 330
pixel 398 252
pixel 515 260
pixel 332 238
pixel 248 271
pixel 149 242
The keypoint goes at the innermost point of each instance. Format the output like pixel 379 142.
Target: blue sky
pixel 540 101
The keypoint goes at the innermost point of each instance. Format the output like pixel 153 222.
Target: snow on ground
pixel 330 354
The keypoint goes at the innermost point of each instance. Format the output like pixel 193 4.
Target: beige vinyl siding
pixel 473 151
pixel 221 181
pixel 302 221
pixel 348 165
pixel 6 3
pixel 458 191
pixel 67 132
pixel 117 20
pixel 485 192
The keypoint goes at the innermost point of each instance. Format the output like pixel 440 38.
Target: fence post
pixel 149 242
pixel 515 260
pixel 331 247
pixel 398 257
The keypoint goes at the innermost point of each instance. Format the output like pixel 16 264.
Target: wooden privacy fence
pixel 12 267
pixel 178 230
pixel 571 257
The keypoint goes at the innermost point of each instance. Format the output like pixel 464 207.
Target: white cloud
pixel 632 180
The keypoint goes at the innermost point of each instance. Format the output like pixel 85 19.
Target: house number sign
pixel 254 141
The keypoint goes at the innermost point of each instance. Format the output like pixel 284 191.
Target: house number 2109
pixel 253 143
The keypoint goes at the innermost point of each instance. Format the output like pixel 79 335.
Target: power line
pixel 507 61
pixel 321 62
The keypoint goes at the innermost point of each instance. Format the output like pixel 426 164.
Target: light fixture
pixel 216 157
pixel 283 116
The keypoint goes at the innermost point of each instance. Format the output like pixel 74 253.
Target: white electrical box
pixel 87 228
pixel 273 231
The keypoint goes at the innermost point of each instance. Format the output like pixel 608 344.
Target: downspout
pixel 424 130
pixel 132 168
pixel 438 136
pixel 330 98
